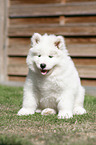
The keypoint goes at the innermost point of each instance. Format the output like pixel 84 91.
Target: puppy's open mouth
pixel 44 72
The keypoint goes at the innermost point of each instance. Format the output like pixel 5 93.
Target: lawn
pixel 43 130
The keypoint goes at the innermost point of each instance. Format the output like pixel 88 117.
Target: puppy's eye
pixel 39 55
pixel 50 56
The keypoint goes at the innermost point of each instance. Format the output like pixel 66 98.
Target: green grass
pixel 43 130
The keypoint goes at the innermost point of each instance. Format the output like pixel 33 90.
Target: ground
pixel 43 130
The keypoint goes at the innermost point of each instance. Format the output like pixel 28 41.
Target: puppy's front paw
pixel 65 115
pixel 25 111
pixel 48 111
pixel 79 111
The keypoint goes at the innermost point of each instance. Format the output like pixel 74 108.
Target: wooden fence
pixel 73 19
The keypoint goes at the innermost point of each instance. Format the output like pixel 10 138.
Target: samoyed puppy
pixel 52 84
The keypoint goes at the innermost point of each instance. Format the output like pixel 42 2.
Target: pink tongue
pixel 43 72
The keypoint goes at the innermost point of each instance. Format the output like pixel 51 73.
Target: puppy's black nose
pixel 42 65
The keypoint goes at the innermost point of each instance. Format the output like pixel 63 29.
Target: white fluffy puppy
pixel 52 84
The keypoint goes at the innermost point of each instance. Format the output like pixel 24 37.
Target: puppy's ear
pixel 35 39
pixel 59 43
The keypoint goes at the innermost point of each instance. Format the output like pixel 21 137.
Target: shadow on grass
pixel 13 140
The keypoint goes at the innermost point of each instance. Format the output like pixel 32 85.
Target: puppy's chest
pixel 49 87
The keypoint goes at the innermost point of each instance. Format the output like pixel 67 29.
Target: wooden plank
pixel 68 40
pixel 18 46
pixel 17 61
pixel 52 20
pixel 16 78
pixel 19 11
pixel 16 2
pixel 66 30
pixel 27 21
pixel 88 82
pixel 19 41
pixel 82 50
pixel 87 71
pixel 71 1
pixel 80 40
pixel 79 19
pixel 17 69
pixel 17 66
pixel 84 61
pixel 75 50
pixel 85 67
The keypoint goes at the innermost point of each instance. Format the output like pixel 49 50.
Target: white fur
pixel 58 90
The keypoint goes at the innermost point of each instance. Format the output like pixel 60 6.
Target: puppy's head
pixel 46 53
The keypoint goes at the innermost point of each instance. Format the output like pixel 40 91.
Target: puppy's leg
pixel 29 101
pixel 29 105
pixel 38 110
pixel 65 105
pixel 48 111
pixel 79 100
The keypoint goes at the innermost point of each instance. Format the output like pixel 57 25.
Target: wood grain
pixel 18 11
pixel 88 82
pixel 27 21
pixel 16 2
pixel 66 30
pixel 75 50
